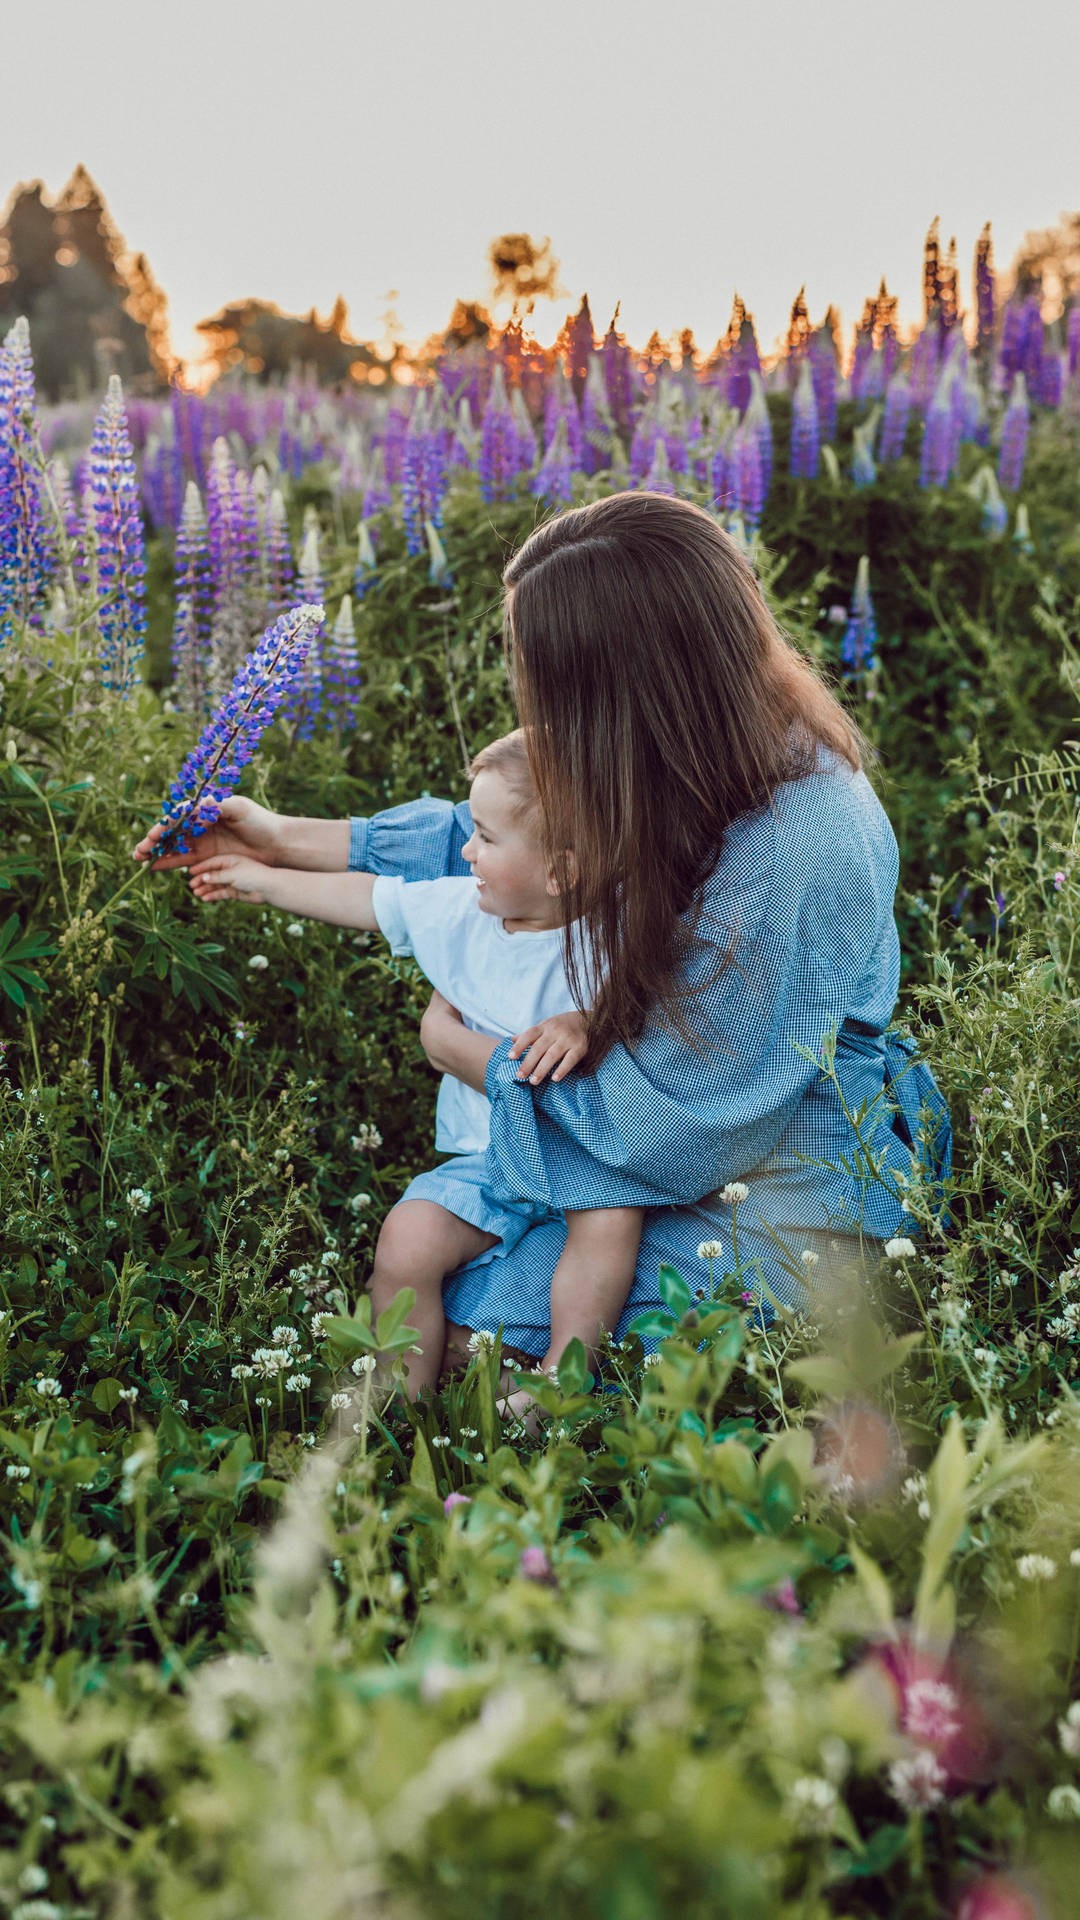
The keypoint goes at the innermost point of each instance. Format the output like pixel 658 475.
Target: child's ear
pixel 552 885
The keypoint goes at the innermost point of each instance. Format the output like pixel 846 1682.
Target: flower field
pixel 770 1622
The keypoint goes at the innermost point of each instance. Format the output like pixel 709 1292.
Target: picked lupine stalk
pixel 212 770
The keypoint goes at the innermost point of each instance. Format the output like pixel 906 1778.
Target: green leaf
pixel 573 1369
pixel 781 1493
pixel 393 1317
pixel 106 1395
pixel 882 1851
pixel 674 1291
pixel 652 1326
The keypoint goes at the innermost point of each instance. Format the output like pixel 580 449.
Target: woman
pixel 734 874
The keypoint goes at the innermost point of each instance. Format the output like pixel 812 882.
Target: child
pixel 493 946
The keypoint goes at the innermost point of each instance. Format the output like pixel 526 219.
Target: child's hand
pixel 231 876
pixel 555 1046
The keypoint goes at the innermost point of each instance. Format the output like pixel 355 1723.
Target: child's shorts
pixel 458 1185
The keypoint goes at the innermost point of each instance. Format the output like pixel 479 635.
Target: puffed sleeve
pixel 664 1126
pixel 421 840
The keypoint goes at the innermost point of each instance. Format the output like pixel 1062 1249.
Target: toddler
pixel 492 945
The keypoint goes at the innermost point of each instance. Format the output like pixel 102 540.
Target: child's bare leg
pixel 420 1243
pixel 591 1283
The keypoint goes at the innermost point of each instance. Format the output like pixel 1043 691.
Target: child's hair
pixel 509 756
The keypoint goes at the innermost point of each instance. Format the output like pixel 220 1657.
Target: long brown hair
pixel 660 701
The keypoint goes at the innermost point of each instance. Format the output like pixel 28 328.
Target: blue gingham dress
pixel 805 889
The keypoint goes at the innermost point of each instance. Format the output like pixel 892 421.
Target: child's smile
pixel 507 865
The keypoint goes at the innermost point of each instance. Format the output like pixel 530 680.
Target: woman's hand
pixel 243 827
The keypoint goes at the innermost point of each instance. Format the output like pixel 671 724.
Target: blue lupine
pixel 71 519
pixel 423 477
pixel 24 531
pixel 860 635
pixel 342 671
pixel 895 417
pixel 1014 433
pixel 658 479
pixel 500 444
pixel 366 562
pixel 214 767
pixel 722 477
pixel 191 618
pixel 553 479
pixel 758 421
pixel 822 359
pixel 805 444
pixel 749 481
pixel 119 545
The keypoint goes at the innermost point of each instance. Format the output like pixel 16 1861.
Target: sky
pixel 673 156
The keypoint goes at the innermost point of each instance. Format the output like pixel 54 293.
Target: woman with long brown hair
pixel 707 816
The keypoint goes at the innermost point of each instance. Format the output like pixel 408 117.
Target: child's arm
pixel 558 1043
pixel 344 899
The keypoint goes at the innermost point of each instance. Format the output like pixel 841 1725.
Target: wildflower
pixel 535 1565
pixel 50 1389
pixel 455 1500
pixel 258 963
pixel 808 1257
pixel 783 1598
pixel 930 1712
pixel 121 548
pixel 307 1439
pixel 318 1322
pixel 367 1138
pixel 733 1193
pixel 358 1202
pixel 296 928
pixel 263 1400
pixel 652 1359
pixel 1063 1803
pixel 270 1360
pixel 860 635
pixel 1068 1730
pixel 1036 1566
pixel 17 1473
pixel 24 542
pixel 710 1250
pixel 805 430
pixel 242 1372
pixel 365 1364
pixel 918 1783
pixel 1014 435
pixel 812 1803
pixel 899 1249
pixel 339 1402
pixel 1059 881
pixel 213 769
pixel 481 1341
pixel 32 1879
pixel 139 1199
pixel 130 1394
pixel 297 1382
pixel 285 1337
pixel 439 1440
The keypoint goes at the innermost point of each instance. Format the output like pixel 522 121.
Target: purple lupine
pixel 553 479
pixel 643 444
pixel 24 533
pixel 745 359
pixel 1013 342
pixel 805 443
pixel 985 295
pixel 119 544
pixel 659 479
pixel 580 347
pixel 861 358
pixel 925 365
pixel 860 635
pixel 191 617
pixel 424 477
pixel 213 769
pixel 619 378
pixel 377 496
pixel 71 520
pixel 559 403
pixel 597 425
pixel 278 573
pixel 366 562
pixel 758 420
pixel 749 480
pixel 1034 341
pixel 1051 380
pixel 1014 434
pixel 894 422
pixel 395 428
pixel 823 372
pixel 1074 340
pixel 936 455
pixel 526 435
pixel 500 444
pixel 231 536
pixel 342 665
pixel 722 477
pixel 305 704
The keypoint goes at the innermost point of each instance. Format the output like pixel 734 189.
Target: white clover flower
pixel 188 1599
pixel 1069 1731
pixel 918 1783
pixel 339 1402
pixel 710 1250
pixel 734 1192
pixel 365 1364
pixel 139 1199
pixel 49 1389
pixel 358 1202
pixel 130 1394
pixel 367 1138
pixel 1036 1566
pixel 258 963
pixel 270 1360
pixel 812 1803
pixel 32 1879
pixel 263 1400
pixel 481 1341
pixel 900 1249
pixel 285 1337
pixel 318 1322
pixel 440 1439
pixel 242 1372
pixel 652 1359
pixel 17 1473
pixel 296 928
pixel 1063 1803
pixel 808 1257
pixel 307 1439
pixel 297 1382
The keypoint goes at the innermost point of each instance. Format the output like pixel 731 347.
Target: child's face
pixel 508 866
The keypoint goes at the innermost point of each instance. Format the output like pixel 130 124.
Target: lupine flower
pixel 343 661
pixel 365 561
pixel 559 403
pixel 756 420
pixel 804 427
pixel 423 476
pixel 619 382
pixel 377 491
pixel 553 479
pixel 995 514
pixel 895 419
pixel 822 361
pixel 984 293
pixel 1073 340
pixel 1014 435
pixel 231 540
pixel 500 444
pixel 597 424
pixel 750 481
pixel 67 507
pixel 643 444
pixel 278 573
pixel 721 477
pixel 119 544
pixel 935 463
pixel 212 770
pixel 191 619
pixel 860 635
pixel 304 702
pixel 24 539
pixel 925 358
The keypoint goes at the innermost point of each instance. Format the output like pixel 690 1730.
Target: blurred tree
pixel 94 308
pixel 256 336
pixel 524 270
pixel 1048 261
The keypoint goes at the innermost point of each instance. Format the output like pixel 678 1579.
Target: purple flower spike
pixel 935 464
pixel 343 662
pixel 120 546
pixel 500 444
pixel 553 480
pixel 895 419
pixel 1014 433
pixel 191 621
pixel 212 770
pixel 278 570
pixel 1074 340
pixel 424 475
pixel 24 539
pixel 860 634
pixel 750 481
pixel 805 442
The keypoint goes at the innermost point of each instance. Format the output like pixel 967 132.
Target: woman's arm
pixel 277 839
